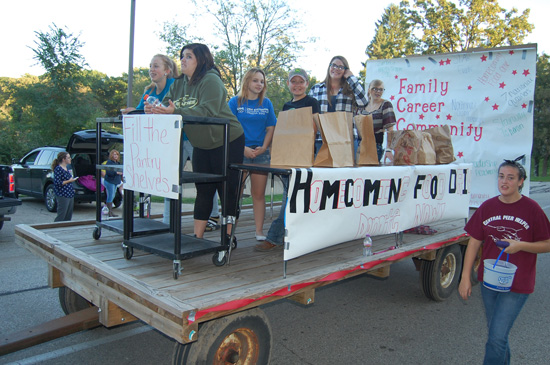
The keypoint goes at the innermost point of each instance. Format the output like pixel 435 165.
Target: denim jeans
pixel 276 233
pixel 110 190
pixel 501 310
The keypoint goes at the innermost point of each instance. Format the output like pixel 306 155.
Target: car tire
pixel 50 199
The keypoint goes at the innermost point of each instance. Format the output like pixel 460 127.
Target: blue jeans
pixel 276 233
pixel 501 310
pixel 110 189
pixel 263 159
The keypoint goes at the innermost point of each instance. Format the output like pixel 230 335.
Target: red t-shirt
pixel 523 220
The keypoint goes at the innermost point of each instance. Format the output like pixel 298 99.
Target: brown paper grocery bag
pixel 337 134
pixel 367 150
pixel 294 139
pixel 441 136
pixel 426 153
pixel 405 145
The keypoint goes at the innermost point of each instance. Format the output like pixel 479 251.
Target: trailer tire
pixel 71 302
pixel 240 338
pixel 439 278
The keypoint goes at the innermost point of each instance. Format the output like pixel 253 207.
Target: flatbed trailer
pixel 212 312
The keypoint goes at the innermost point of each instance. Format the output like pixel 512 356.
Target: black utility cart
pixel 140 225
pixel 173 244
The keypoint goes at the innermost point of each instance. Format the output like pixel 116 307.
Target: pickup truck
pixel 8 201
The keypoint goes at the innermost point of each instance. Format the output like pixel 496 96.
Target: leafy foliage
pixel 541 140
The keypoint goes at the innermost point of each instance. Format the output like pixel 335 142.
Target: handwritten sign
pixel 353 202
pixel 152 154
pixel 485 97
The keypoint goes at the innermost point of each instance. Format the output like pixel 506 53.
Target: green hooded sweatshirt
pixel 208 98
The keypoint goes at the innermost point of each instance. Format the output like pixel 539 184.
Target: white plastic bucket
pixel 500 277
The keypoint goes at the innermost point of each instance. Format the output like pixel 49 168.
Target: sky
pixel 342 27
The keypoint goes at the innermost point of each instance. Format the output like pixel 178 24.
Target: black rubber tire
pixel 128 252
pixel 439 278
pixel 216 258
pixel 240 338
pixel 50 199
pixel 96 233
pixel 71 302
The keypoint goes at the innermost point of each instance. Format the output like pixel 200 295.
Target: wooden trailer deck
pixel 143 287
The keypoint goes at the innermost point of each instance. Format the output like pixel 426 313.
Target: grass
pixel 247 200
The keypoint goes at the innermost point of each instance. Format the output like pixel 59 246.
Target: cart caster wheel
pixel 220 258
pixel 233 243
pixel 97 233
pixel 177 270
pixel 128 251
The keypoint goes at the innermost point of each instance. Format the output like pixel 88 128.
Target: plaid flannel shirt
pixel 343 102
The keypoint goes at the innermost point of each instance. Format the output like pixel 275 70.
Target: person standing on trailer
pixel 519 221
pixel 199 91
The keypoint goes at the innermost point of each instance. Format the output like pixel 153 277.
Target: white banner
pixel 486 97
pixel 330 206
pixel 152 153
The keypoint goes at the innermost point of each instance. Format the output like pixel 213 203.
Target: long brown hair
pixel 169 64
pixel 60 156
pixel 205 61
pixel 346 89
pixel 243 94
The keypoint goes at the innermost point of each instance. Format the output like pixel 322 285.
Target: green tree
pixel 541 140
pixel 251 33
pixel 440 26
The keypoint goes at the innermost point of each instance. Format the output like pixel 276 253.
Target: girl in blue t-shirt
pixel 162 71
pixel 257 117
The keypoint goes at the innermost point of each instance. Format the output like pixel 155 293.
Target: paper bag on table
pixel 337 148
pixel 367 149
pixel 426 153
pixel 441 136
pixel 405 145
pixel 294 139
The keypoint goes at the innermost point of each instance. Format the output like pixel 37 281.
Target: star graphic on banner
pixel 501 85
pixel 483 58
pixel 392 97
pixel 396 77
pixel 448 61
pixel 469 87
pixel 511 52
pixel 449 117
pixel 514 72
pixel 523 106
pixel 526 72
pixel 442 63
pixel 495 107
pixel 421 116
pixel 486 98
pixel 460 154
pixel 437 116
pixel 423 68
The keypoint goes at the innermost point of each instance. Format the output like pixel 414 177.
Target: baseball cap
pixel 298 72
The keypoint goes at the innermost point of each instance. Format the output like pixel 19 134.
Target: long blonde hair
pixel 169 65
pixel 243 94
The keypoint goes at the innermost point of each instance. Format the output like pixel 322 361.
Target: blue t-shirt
pixel 254 119
pixel 153 92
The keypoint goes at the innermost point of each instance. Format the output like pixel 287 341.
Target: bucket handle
pixel 498 258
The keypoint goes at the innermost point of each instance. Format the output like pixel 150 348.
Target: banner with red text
pixel 152 153
pixel 485 96
pixel 330 206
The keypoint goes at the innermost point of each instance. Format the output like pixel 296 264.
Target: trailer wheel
pixel 71 302
pixel 240 338
pixel 440 277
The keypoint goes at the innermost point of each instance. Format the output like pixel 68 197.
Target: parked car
pixel 34 176
pixel 8 201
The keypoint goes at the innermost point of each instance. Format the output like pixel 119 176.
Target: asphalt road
pixel 357 321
